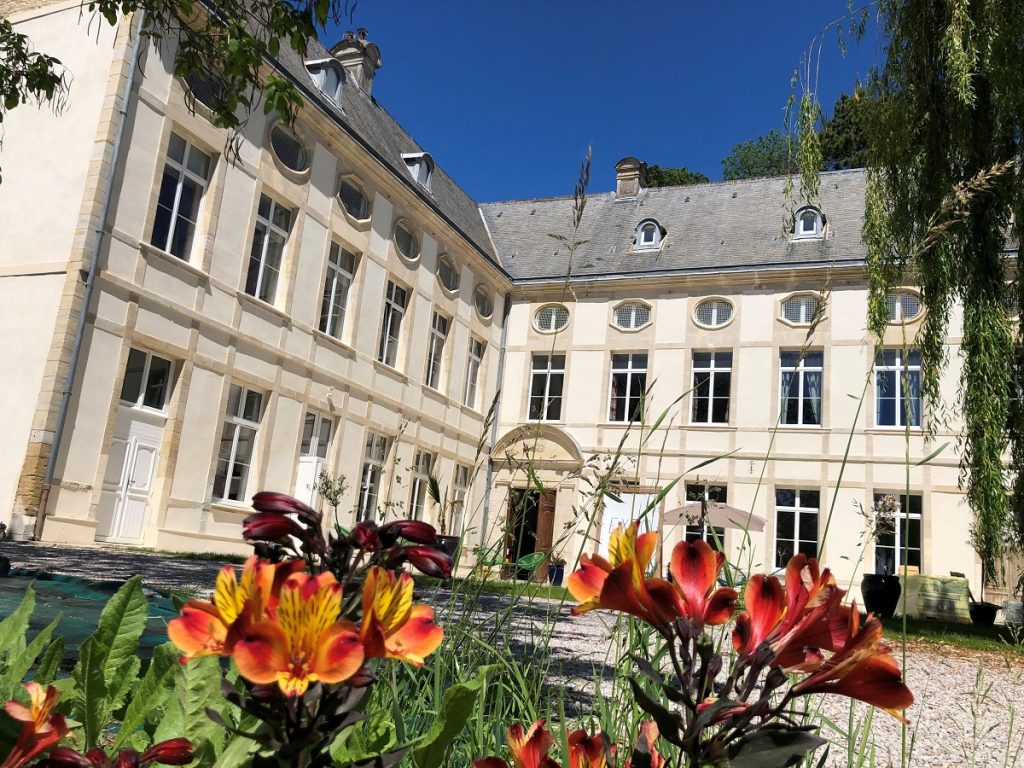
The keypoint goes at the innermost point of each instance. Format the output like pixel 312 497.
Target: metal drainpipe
pixel 90 283
pixel 494 424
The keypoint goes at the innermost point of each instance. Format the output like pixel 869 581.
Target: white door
pixel 631 506
pixel 316 442
pixel 306 477
pixel 128 483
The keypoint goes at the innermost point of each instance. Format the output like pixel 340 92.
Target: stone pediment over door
pixel 542 445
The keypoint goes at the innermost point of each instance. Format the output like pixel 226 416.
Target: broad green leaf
pixel 49 665
pixel 19 666
pixel 90 694
pixel 151 693
pixel 14 627
pixel 121 625
pixel 775 746
pixel 238 752
pixel 364 740
pixel 458 705
pixel 172 724
pixel 198 688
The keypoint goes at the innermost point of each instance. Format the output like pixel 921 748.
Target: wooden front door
pixel 545 528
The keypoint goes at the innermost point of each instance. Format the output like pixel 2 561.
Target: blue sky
pixel 507 96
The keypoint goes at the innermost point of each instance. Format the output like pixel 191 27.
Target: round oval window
pixel 712 313
pixel 553 317
pixel 289 149
pixel 483 303
pixel 448 274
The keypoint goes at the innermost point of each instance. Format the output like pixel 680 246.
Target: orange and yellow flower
pixel 646 744
pixel 392 627
pixel 41 727
pixel 695 567
pixel 304 643
pixel 529 748
pixel 590 750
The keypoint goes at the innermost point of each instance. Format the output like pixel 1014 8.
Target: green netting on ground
pixel 79 603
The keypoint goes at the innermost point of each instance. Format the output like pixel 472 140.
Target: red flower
pixel 283 504
pixel 270 526
pixel 529 748
pixel 646 743
pixel 590 751
pixel 170 752
pixel 42 728
pixel 364 536
pixel 695 567
pixel 764 599
pixel 432 562
pixel 414 530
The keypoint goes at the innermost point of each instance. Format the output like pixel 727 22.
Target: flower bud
pixel 432 562
pixel 128 758
pixel 364 536
pixel 283 504
pixel 362 678
pixel 270 526
pixel 64 757
pixel 98 759
pixel 414 530
pixel 170 752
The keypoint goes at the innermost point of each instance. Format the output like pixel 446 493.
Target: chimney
pixel 360 58
pixel 630 177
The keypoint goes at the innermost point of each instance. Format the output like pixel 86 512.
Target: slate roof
pixel 720 226
pixel 384 137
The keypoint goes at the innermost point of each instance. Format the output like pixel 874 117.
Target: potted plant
pixel 1015 608
pixel 556 569
pixel 881 590
pixel 447 544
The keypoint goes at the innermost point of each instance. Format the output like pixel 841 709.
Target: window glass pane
pixel 282 218
pixel 157 383
pixel 808 526
pixel 810 499
pixel 720 410
pixel 131 388
pixel 785 497
pixel 723 380
pixel 307 433
pixel 264 207
pixel 786 524
pixel 324 438
pixel 198 163
pixel 176 148
pixel 789 359
pixel 253 405
pixel 814 360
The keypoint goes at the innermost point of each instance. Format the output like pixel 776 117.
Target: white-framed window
pixel 712 385
pixel 796 524
pixel 547 379
pixel 391 323
pixel 186 172
pixel 474 362
pixel 237 444
pixel 809 224
pixel 551 318
pixel 341 269
pixel 903 307
pixel 631 315
pixel 482 302
pixel 448 273
pixel 628 386
pixel 899 543
pixel 374 457
pixel 353 199
pixel 460 493
pixel 406 242
pixel 700 528
pixel 273 222
pixel 800 387
pixel 316 435
pixel 898 388
pixel 329 76
pixel 147 380
pixel 288 149
pixel 713 313
pixel 648 235
pixel 800 309
pixel 421 167
pixel 422 466
pixel 439 325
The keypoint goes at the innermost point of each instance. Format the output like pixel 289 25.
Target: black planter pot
pixel 983 613
pixel 448 544
pixel 555 574
pixel 881 593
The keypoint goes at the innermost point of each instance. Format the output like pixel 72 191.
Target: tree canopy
pixel 674 177
pixel 768 155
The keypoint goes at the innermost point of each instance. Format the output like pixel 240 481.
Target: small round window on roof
pixel 713 313
pixel 289 149
pixel 800 309
pixel 406 243
pixel 632 315
pixel 482 302
pixel 448 273
pixel 553 317
pixel 903 306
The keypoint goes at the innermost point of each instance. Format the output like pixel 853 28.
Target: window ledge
pixel 712 427
pixel 469 410
pixel 893 430
pixel 261 304
pixel 391 371
pixel 801 428
pixel 152 250
pixel 436 394
pixel 235 507
pixel 335 342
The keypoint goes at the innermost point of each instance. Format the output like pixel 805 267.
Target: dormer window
pixel 421 167
pixel 648 235
pixel 809 224
pixel 328 75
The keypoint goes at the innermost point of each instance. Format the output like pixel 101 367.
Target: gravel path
pixel 961 716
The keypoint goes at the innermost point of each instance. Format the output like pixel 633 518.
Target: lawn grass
pixel 496 586
pixel 997 639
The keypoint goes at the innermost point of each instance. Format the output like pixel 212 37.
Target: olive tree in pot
pixel 1015 607
pixel 881 590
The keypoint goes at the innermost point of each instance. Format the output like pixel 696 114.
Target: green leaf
pixel 773 746
pixel 14 627
pixel 121 625
pixel 238 752
pixel 933 454
pixel 669 723
pixel 19 666
pixel 199 688
pixel 458 704
pixel 365 740
pixel 151 693
pixel 90 692
pixel 49 665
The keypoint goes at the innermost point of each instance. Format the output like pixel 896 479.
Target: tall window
pixel 435 351
pixel 341 266
pixel 473 364
pixel 459 495
pixel 547 377
pixel 801 387
pixel 796 524
pixel 273 221
pixel 901 544
pixel 147 380
pixel 422 465
pixel 391 324
pixel 316 435
pixel 186 172
pixel 712 382
pixel 898 388
pixel 701 528
pixel 237 444
pixel 369 481
pixel 629 383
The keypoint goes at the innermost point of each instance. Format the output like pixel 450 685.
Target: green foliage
pixel 773 154
pixel 844 140
pixel 458 705
pixel 674 177
pixel 16 654
pixel 777 747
